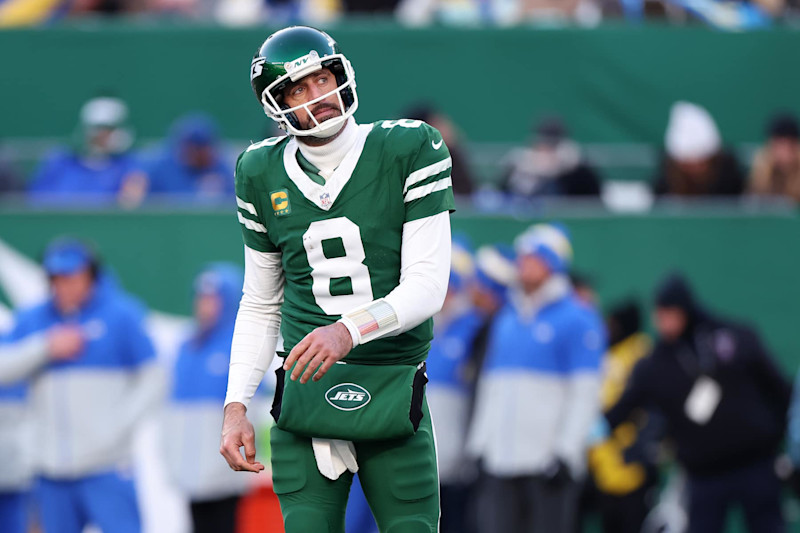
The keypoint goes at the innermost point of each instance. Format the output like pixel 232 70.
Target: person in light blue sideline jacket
pixel 448 391
pixel 450 383
pixel 539 394
pixel 192 162
pixel 194 415
pixel 93 377
pixel 15 441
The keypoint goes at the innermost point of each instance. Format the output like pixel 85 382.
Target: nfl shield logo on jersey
pixel 325 199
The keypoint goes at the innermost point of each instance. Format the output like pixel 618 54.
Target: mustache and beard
pixel 318 109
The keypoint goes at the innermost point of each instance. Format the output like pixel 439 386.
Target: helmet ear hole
pixel 291 117
pixel 277 95
pixel 340 75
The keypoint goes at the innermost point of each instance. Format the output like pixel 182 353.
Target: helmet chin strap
pixel 330 130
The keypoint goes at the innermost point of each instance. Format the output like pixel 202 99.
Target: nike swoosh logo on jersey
pixel 436 145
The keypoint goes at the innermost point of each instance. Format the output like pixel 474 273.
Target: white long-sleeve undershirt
pixel 424 273
pixel 258 323
pixel 424 270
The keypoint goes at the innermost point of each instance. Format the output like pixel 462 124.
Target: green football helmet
pixel 291 54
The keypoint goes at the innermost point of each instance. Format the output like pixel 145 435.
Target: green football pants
pixel 399 478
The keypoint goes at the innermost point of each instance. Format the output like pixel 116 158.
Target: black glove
pixel 557 473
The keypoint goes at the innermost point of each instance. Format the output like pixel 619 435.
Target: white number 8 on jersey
pixel 350 265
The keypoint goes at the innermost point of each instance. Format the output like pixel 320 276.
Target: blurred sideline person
pixel 552 165
pixel 93 377
pixel 16 473
pixel 463 182
pixel 623 467
pixel 724 404
pixel 495 272
pixel 793 436
pixel 538 396
pixel 776 166
pixel 99 168
pixel 192 162
pixel 584 289
pixel 347 254
pixel 449 387
pixel 696 163
pixel 10 182
pixel 449 393
pixel 194 416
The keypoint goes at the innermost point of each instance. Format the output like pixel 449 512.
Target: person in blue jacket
pixel 15 475
pixel 450 384
pixel 194 415
pixel 93 377
pixel 495 273
pixel 448 392
pixel 192 163
pixel 99 169
pixel 538 396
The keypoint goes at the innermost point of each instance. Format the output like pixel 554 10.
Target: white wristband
pixel 351 327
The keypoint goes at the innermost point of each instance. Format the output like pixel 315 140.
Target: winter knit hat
pixel 549 242
pixel 692 133
pixel 675 291
pixel 495 268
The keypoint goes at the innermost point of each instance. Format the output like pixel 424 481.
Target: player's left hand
pixel 318 352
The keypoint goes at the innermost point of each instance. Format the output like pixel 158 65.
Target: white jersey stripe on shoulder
pixel 250 208
pixel 251 224
pixel 271 141
pixel 427 172
pixel 425 190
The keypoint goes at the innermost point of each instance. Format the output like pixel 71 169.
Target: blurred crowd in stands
pixel 547 414
pixel 725 14
pixel 101 167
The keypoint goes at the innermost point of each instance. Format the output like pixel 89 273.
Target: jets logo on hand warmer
pixel 348 396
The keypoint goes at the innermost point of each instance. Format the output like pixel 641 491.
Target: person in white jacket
pixel 538 395
pixel 93 376
pixel 194 415
pixel 16 472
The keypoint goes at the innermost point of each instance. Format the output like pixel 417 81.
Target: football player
pixel 347 256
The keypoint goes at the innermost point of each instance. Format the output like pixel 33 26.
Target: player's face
pixel 309 88
pixel 670 322
pixel 533 272
pixel 70 291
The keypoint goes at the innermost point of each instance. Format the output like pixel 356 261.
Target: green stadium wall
pixel 613 84
pixel 743 266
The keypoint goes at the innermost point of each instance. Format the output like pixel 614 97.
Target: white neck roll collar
pixel 328 156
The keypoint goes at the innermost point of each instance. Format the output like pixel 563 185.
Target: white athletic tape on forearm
pixel 375 320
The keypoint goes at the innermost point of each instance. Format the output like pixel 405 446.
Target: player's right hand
pixel 64 343
pixel 237 431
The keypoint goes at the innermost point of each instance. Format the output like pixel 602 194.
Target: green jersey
pixel 341 238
